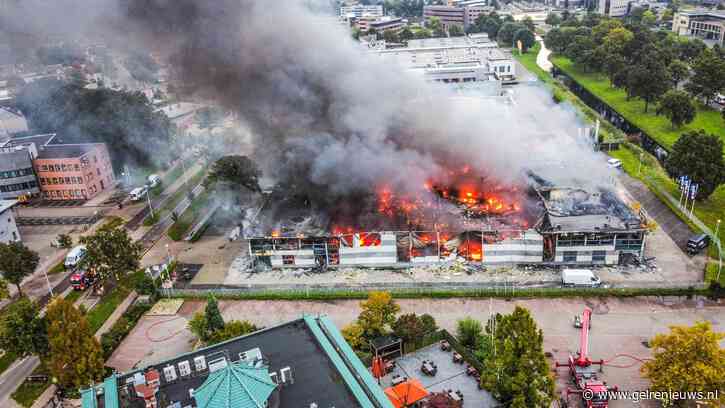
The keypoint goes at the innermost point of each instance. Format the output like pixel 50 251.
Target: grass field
pixel 652 174
pixel 561 94
pixel 658 127
pixel 100 313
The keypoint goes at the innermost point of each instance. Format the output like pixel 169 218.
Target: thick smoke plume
pixel 326 115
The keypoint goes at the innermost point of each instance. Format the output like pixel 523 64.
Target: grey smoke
pixel 322 111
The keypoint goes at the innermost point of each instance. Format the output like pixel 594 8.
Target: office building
pixel 707 25
pixel 462 15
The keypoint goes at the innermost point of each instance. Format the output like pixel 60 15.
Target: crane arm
pixel 583 359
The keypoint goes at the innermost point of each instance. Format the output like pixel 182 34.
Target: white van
pixel 579 277
pixel 137 193
pixel 75 256
pixel 153 180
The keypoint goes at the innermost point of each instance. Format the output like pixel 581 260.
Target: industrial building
pixel 379 24
pixel 576 227
pixel 59 171
pixel 17 177
pixel 456 59
pixel 707 25
pixel 302 363
pixel 11 123
pixel 8 228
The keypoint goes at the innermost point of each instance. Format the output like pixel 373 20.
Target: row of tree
pixel 659 68
pixel 505 30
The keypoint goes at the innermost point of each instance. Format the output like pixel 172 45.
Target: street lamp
pixel 50 288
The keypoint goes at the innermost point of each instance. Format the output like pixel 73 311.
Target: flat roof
pixel 7 204
pixel 39 140
pixel 719 14
pixel 325 372
pixel 65 151
pixel 15 160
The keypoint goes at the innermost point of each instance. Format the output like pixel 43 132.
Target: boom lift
pixel 593 392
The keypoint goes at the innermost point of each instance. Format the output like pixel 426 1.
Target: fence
pixel 430 290
pixel 463 351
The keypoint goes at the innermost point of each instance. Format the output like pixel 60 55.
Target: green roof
pixel 353 374
pixel 88 398
pixel 237 385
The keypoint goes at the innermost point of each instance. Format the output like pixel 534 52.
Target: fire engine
pixel 593 392
pixel 81 280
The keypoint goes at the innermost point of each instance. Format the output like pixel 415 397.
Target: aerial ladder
pixel 592 392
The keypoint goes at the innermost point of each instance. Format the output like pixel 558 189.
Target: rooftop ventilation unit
pixel 184 368
pixel 170 373
pixel 274 377
pixel 287 377
pixel 251 356
pixel 200 363
pixel 217 364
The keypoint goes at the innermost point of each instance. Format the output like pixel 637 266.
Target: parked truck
pixel 74 257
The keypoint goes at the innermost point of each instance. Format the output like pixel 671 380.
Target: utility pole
pixel 719 251
pixel 50 288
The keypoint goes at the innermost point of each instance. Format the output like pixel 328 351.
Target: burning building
pixel 460 216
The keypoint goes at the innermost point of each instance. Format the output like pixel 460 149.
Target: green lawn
pixel 74 295
pixel 6 360
pixel 658 127
pixel 28 391
pixel 57 268
pixel 711 273
pixel 180 227
pixel 561 93
pixel 103 310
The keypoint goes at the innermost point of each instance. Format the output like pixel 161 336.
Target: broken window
pixel 288 259
pixel 569 256
pixel 599 256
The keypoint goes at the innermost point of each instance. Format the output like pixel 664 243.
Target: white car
pixel 614 163
pixel 720 98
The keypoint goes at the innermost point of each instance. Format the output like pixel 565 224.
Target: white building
pixel 360 10
pixel 11 123
pixel 613 8
pixel 456 59
pixel 707 25
pixel 8 229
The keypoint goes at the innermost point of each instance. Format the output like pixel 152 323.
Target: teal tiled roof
pixel 88 398
pixel 237 385
pixel 110 392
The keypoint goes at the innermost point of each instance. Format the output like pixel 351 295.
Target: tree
pixel 353 335
pixel 213 317
pixel 526 37
pixel 698 155
pixel 111 253
pixel 409 328
pixel 649 18
pixel 518 375
pixel 687 359
pixel 667 15
pixel 76 357
pixel 16 262
pixel 678 71
pixel 490 26
pixel 231 330
pixel 678 107
pixel 553 19
pixel 236 171
pixel 406 34
pixel 4 291
pixel 468 332
pixel 429 323
pixel 378 312
pixel 65 241
pixel 648 81
pixel 391 36
pixel 423 33
pixel 197 326
pixel 134 131
pixel 435 25
pixel 22 331
pixel 455 30
pixel 528 23
pixel 708 76
pixel 506 34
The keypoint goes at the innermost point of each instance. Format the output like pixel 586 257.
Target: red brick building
pixel 70 171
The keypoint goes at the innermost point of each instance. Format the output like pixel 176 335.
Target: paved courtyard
pixel 450 376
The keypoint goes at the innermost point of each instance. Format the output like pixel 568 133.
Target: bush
pixel 469 332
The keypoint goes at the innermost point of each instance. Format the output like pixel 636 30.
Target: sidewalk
pixel 542 58
pixel 120 310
